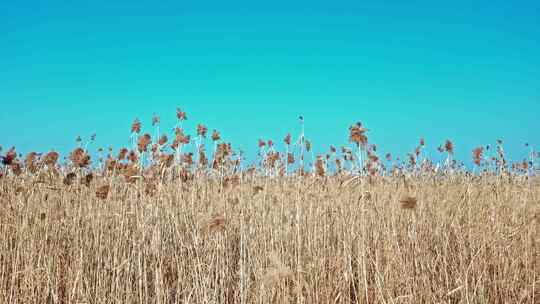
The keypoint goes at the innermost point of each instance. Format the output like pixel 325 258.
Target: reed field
pixel 188 219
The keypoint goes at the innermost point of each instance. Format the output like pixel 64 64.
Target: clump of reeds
pixel 79 158
pixel 163 220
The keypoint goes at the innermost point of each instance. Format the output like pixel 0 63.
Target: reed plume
pixel 79 158
pixel 51 158
pixel 478 155
pixel 136 126
pixel 215 135
pixel 449 147
pixel 357 135
pixel 103 192
pixel 143 142
pixel 181 115
pixel 287 139
pixel 408 202
pixel 202 130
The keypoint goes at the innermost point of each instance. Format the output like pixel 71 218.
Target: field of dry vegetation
pixel 158 224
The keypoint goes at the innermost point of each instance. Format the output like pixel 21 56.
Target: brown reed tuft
pixel 102 192
pixel 320 169
pixel 449 147
pixel 30 161
pixel 143 142
pixel 136 126
pixel 79 158
pixel 122 154
pixel 202 130
pixel 223 151
pixel 181 115
pixel 51 158
pixel 357 135
pixel 215 135
pixel 408 202
pixel 290 158
pixel 272 159
pixel 180 138
pixel 162 140
pixel 287 139
pixel 10 156
pixel 478 155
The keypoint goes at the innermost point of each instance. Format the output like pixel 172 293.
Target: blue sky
pixel 460 70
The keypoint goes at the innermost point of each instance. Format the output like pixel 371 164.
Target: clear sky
pixel 464 70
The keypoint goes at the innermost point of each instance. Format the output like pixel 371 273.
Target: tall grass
pixel 183 231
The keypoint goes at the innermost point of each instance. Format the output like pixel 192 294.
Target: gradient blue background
pixel 460 70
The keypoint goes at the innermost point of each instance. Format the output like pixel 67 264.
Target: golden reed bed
pixel 177 222
pixel 456 239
